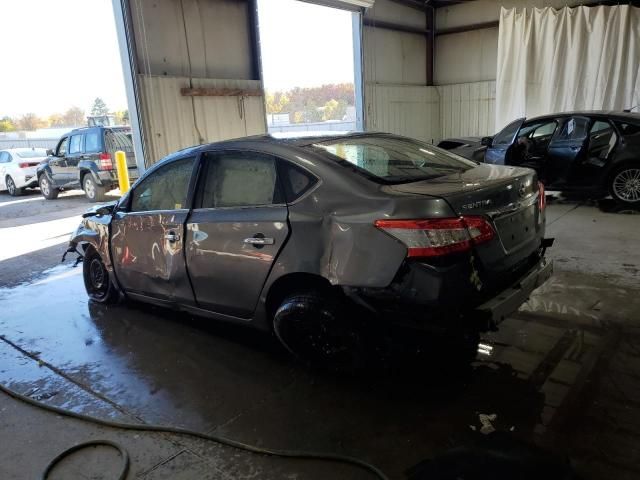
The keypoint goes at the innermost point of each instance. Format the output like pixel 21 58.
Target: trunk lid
pixel 506 196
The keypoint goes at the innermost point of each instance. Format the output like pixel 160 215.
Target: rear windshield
pixel 395 159
pixel 35 153
pixel 118 141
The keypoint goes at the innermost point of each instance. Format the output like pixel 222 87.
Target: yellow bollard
pixel 123 172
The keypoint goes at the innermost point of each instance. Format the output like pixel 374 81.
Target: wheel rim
pixel 11 186
pixel 98 278
pixel 626 185
pixel 89 188
pixel 44 186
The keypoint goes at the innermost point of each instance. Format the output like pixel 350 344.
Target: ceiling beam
pixel 396 27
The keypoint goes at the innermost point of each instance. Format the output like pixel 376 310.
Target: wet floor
pixel 563 373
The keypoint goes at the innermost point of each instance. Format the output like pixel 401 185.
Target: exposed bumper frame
pixel 509 300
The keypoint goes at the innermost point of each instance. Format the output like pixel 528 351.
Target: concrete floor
pixel 564 372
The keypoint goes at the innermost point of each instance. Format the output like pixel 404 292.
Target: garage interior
pixel 561 375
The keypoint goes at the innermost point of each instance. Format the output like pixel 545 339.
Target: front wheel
pixel 11 187
pixel 93 191
pixel 48 191
pixel 97 281
pixel 625 186
pixel 313 326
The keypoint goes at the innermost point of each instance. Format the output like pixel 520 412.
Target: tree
pixel 56 120
pixel 122 117
pixel 30 121
pixel 334 110
pixel 74 117
pixel 7 124
pixel 99 107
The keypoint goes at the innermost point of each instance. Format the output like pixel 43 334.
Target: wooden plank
pixel 220 92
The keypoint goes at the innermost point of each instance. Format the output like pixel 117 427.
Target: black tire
pixel 11 187
pixel 624 185
pixel 93 191
pixel 48 191
pixel 97 281
pixel 315 328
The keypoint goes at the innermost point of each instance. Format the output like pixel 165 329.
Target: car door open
pixel 147 234
pixel 566 150
pixel 235 231
pixel 498 152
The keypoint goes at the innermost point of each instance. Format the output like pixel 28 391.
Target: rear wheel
pixel 97 281
pixel 48 191
pixel 315 328
pixel 11 187
pixel 93 191
pixel 625 185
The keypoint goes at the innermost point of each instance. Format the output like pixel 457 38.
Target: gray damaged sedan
pixel 323 239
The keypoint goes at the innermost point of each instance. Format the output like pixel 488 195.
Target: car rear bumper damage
pixel 439 297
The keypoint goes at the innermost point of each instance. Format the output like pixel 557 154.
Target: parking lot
pixel 562 373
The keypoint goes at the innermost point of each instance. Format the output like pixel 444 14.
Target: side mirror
pixel 50 153
pixel 486 141
pixel 100 211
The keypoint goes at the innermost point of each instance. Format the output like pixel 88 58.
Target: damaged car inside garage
pixel 322 239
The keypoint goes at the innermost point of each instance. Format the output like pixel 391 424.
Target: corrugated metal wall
pixel 467 109
pixel 171 124
pixel 403 109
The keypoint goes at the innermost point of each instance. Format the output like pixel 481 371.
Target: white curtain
pixel 583 58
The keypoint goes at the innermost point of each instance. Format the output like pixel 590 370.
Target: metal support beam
pixel 415 4
pixel 370 22
pixel 128 57
pixel 431 40
pixel 468 28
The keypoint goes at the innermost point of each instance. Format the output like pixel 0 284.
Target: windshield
pixel 34 153
pixel 395 159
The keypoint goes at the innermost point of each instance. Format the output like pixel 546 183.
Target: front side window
pixel 395 160
pixel 92 142
pixel 62 147
pixel 240 179
pixel 75 145
pixel 164 189
pixel 508 133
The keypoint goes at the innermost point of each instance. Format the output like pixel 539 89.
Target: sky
pixel 304 45
pixel 57 54
pixel 64 53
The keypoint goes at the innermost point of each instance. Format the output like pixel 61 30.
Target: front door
pixel 58 163
pixel 236 230
pixel 502 144
pixel 566 150
pixel 71 173
pixel 147 235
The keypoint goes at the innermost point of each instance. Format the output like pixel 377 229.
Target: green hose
pixel 298 454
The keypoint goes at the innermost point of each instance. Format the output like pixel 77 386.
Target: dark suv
pixel 85 158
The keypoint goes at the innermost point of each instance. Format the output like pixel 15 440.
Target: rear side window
pixel 574 129
pixel 164 189
pixel 75 144
pixel 240 179
pixel 92 142
pixel 295 181
pixel 4 157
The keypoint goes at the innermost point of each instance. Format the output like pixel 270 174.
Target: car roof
pixel 615 114
pixel 106 127
pixel 298 140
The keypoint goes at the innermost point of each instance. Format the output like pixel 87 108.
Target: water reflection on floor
pixel 139 363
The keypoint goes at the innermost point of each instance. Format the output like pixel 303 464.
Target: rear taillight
pixel 104 162
pixel 436 237
pixel 24 165
pixel 542 199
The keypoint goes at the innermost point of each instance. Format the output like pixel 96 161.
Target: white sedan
pixel 18 168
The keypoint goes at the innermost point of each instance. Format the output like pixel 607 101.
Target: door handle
pixel 259 241
pixel 172 237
